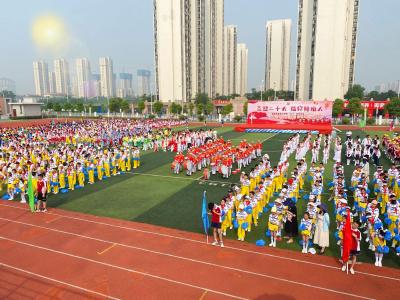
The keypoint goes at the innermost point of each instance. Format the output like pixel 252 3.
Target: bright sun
pixel 49 32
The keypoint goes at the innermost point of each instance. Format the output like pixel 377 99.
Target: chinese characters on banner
pixel 290 112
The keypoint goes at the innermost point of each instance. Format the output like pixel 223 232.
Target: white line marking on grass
pixel 57 281
pixel 202 242
pixel 113 244
pixel 177 177
pixel 121 268
pixel 270 137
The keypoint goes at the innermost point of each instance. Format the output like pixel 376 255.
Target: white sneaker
pixel 380 264
pixel 22 201
pixel 231 227
pixel 215 244
pixel 344 268
pixel 44 210
pixel 376 264
pixel 352 271
pixel 222 245
pixel 270 244
pixel 224 233
pixel 239 239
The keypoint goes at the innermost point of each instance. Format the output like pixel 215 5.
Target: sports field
pixel 152 194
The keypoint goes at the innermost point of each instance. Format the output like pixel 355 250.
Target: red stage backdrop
pixel 289 113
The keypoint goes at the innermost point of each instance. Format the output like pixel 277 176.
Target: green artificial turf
pixel 152 194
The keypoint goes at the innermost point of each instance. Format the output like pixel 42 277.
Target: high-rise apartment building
pixel 61 70
pixel 188 42
pixel 83 77
pixel 229 61
pixel 52 83
pixel 241 69
pixel 143 82
pixel 7 84
pixel 107 80
pixel 125 86
pixel 326 48
pixel 41 78
pixel 277 54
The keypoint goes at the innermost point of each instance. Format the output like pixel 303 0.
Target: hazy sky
pixel 123 29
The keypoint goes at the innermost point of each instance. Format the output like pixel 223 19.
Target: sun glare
pixel 48 32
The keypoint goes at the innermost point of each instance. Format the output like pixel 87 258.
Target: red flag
pixel 347 238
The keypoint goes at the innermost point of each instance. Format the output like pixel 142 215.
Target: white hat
pixel 344 201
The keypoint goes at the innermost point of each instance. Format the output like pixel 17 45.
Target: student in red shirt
pixel 355 249
pixel 216 219
pixel 41 194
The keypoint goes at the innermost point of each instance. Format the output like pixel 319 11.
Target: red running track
pixel 67 255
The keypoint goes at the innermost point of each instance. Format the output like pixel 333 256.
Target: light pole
pixel 274 90
pixel 151 102
pixel 262 88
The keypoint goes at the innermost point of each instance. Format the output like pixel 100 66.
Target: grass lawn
pixel 152 194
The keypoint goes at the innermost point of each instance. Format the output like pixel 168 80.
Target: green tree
pixel 175 108
pixel 227 109
pixel 115 105
pixel 191 108
pixel 49 106
pixel 202 98
pixel 80 107
pixel 7 94
pixel 390 94
pixel 245 105
pixel 200 108
pixel 373 94
pixel 68 106
pixel 141 105
pixel 355 91
pixel 124 105
pixel 57 107
pixel 209 108
pixel 393 107
pixel 355 107
pixel 157 107
pixel 337 108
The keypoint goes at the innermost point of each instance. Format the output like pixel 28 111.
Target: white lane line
pixel 58 281
pixel 186 258
pixel 202 242
pixel 122 268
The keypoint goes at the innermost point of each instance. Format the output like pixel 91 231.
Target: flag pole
pixel 207 218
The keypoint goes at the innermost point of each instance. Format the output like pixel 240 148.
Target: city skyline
pixel 372 67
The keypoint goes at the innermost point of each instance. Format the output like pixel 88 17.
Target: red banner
pixel 290 112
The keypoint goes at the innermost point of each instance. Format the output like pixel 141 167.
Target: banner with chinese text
pixel 290 112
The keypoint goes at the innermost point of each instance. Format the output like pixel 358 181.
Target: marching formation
pixel 66 156
pixel 206 151
pixel 276 190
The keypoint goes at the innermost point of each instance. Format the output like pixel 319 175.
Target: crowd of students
pixel 69 155
pixel 276 191
pixel 216 154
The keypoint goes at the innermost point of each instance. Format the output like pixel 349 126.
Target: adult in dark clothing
pixel 291 227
